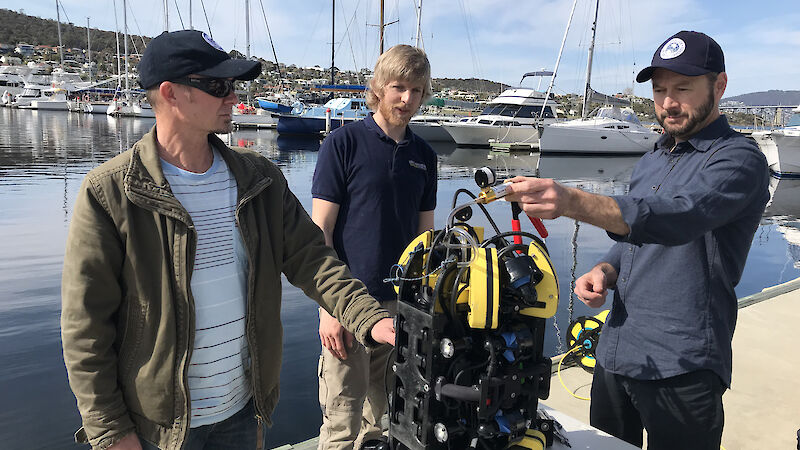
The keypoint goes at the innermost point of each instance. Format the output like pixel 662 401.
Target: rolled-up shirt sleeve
pixel 715 195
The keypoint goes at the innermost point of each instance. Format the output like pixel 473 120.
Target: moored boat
pixel 782 147
pixel 514 116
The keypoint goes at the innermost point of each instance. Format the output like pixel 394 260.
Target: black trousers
pixel 682 412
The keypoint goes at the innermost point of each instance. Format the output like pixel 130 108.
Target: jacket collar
pixel 147 187
pixel 702 140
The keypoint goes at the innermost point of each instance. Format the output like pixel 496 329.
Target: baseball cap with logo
pixel 689 53
pixel 174 55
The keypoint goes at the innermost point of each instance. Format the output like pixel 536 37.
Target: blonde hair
pixel 400 63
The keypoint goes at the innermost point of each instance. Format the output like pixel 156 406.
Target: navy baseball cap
pixel 174 55
pixel 689 53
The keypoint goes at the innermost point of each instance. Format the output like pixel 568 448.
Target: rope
pixel 561 361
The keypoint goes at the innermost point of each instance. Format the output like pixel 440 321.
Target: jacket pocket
pixel 134 326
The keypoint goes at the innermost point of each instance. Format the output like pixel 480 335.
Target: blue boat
pixel 312 120
pixel 273 107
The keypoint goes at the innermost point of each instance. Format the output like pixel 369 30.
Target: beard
pixel 695 119
pixel 226 128
pixel 394 119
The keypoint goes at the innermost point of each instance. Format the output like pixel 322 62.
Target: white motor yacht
pixel 12 80
pixel 513 117
pixel 429 127
pixel 30 93
pixel 782 147
pixel 610 130
pixel 53 99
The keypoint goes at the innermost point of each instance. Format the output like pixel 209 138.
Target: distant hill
pixel 32 30
pixel 468 84
pixel 771 97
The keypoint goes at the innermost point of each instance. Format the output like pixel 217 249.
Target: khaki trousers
pixel 352 394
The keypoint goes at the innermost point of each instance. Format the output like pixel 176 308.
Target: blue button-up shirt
pixel 692 209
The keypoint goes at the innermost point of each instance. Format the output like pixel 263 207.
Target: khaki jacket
pixel 127 309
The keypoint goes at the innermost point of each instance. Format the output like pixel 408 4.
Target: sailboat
pixel 610 130
pixel 126 105
pixel 244 114
pixel 333 114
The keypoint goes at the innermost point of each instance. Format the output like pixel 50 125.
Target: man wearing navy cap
pixel 171 286
pixel 682 236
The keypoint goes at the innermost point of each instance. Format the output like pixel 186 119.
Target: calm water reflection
pixel 44 155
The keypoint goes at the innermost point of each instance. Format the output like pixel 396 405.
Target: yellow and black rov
pixel 469 367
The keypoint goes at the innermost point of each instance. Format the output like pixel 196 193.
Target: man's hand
pixel 129 442
pixel 383 331
pixel 546 199
pixel 592 287
pixel 333 336
pixel 540 197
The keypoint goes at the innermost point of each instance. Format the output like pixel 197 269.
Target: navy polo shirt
pixel 692 214
pixel 380 186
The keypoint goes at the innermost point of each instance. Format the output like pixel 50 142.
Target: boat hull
pixel 253 119
pixel 273 106
pixel 595 141
pixel 45 105
pixel 478 135
pixel 96 107
pixel 306 125
pixel 430 132
pixel 782 150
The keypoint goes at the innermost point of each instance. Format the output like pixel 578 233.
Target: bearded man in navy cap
pixel 171 286
pixel 682 236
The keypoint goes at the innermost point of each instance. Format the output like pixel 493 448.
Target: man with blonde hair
pixel 374 190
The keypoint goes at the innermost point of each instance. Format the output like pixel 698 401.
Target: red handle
pixel 515 226
pixel 537 223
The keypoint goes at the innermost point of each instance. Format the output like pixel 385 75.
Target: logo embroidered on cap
pixel 417 165
pixel 673 48
pixel 212 43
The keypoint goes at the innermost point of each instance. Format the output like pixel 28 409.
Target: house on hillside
pixel 26 50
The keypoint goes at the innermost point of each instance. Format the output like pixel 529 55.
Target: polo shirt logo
pixel 417 165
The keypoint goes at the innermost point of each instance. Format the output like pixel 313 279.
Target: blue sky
pixel 493 39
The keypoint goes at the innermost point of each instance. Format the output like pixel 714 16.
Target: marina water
pixel 44 156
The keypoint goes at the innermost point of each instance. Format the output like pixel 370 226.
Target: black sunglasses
pixel 218 87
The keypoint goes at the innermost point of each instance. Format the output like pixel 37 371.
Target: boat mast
pixel 116 36
pixel 558 60
pixel 419 25
pixel 125 24
pixel 166 15
pixel 247 39
pixel 191 27
pixel 333 34
pixel 381 32
pixel 587 90
pixel 60 45
pixel 89 49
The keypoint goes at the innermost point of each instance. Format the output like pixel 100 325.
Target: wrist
pixel 570 206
